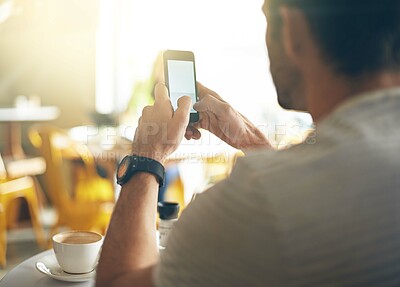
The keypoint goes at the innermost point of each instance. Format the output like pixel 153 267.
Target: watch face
pixel 132 164
pixel 123 167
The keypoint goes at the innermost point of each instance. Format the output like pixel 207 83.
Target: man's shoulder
pixel 333 157
pixel 262 163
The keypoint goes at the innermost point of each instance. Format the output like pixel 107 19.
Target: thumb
pixel 161 93
pixel 207 104
pixel 182 113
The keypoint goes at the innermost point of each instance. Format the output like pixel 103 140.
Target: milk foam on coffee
pixel 79 238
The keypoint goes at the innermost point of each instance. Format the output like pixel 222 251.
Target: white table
pixel 13 117
pixel 28 114
pixel 26 275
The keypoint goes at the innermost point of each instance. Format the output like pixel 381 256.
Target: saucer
pixel 48 265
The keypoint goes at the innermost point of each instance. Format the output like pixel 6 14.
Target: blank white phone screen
pixel 181 81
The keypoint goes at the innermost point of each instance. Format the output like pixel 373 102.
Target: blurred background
pixel 87 56
pixel 74 77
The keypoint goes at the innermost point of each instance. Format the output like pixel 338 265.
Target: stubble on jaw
pixel 286 77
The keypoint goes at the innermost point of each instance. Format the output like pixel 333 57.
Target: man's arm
pixel 130 250
pixel 130 247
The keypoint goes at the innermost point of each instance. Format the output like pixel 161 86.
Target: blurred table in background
pixel 13 117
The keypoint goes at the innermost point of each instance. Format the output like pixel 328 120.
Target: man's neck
pixel 325 92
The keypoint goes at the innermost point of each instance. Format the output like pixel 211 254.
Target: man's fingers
pixel 147 110
pixel 161 94
pixel 203 91
pixel 188 133
pixel 182 113
pixel 196 134
pixel 208 104
pixel 192 133
pixel 162 101
pixel 197 125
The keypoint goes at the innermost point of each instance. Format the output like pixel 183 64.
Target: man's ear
pixel 296 35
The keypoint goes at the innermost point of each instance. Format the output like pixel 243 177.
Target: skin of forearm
pixel 254 138
pixel 130 247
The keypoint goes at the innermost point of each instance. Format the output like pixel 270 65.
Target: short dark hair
pixel 356 36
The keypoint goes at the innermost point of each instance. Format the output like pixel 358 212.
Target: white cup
pixel 77 251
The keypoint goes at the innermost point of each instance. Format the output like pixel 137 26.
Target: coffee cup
pixel 77 252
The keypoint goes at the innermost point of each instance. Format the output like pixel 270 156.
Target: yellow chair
pixel 18 168
pixel 219 166
pixel 215 169
pixel 175 193
pixel 3 237
pixel 12 189
pixel 90 204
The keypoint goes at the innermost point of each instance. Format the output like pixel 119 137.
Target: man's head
pixel 353 38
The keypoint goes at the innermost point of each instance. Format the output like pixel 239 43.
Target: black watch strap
pixel 142 164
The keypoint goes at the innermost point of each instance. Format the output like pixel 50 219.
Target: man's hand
pixel 221 119
pixel 160 130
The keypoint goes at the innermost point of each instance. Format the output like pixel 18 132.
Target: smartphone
pixel 180 78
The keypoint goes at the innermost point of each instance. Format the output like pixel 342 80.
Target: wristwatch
pixel 132 164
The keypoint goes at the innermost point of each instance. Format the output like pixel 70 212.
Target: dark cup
pixel 168 210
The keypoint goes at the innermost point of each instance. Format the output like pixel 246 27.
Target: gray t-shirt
pixel 323 213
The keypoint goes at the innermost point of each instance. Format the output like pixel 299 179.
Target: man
pixel 326 214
